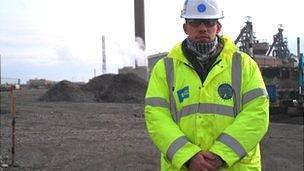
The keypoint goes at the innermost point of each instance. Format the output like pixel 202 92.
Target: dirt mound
pixel 121 88
pixel 99 83
pixel 125 88
pixel 67 91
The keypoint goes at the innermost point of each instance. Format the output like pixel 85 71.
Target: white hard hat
pixel 201 9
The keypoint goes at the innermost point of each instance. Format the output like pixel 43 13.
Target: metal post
pixel 300 63
pixel 298 47
pixel 301 67
pixel 13 112
pixel 0 113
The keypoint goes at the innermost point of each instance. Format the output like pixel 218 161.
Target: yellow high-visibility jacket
pixel 227 115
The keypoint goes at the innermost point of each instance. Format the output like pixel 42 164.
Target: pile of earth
pixel 116 88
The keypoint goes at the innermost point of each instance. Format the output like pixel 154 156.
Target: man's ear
pixel 219 27
pixel 185 28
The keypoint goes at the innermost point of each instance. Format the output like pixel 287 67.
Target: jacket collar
pixel 226 54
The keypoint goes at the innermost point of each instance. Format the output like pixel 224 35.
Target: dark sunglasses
pixel 198 22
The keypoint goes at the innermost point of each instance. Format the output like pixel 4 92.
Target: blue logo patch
pixel 201 8
pixel 183 94
pixel 225 91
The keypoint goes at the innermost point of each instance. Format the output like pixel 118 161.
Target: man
pixel 206 103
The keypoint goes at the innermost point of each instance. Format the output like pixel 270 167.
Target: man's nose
pixel 202 27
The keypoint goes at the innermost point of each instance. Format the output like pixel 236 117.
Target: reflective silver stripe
pixel 156 102
pixel 206 108
pixel 188 110
pixel 216 109
pixel 236 81
pixel 252 94
pixel 233 144
pixel 175 146
pixel 170 82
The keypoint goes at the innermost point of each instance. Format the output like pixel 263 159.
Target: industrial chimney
pixel 139 14
pixel 104 64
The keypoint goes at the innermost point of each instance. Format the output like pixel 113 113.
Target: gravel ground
pixel 111 136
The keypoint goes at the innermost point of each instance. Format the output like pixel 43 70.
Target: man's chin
pixel 203 40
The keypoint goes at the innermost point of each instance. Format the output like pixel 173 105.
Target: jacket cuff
pixel 225 153
pixel 184 154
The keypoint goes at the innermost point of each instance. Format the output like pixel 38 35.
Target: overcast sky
pixel 62 39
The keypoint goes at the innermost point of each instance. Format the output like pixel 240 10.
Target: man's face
pixel 202 31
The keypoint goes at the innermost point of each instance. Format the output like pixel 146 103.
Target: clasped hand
pixel 205 161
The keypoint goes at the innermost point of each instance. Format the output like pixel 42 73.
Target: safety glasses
pixel 198 22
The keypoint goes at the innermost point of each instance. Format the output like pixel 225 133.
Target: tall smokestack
pixel 104 65
pixel 139 14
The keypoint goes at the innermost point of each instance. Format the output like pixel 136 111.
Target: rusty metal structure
pixel 280 68
pixel 279 47
pixel 246 37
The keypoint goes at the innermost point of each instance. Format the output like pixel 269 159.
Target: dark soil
pixel 121 88
pixel 64 135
